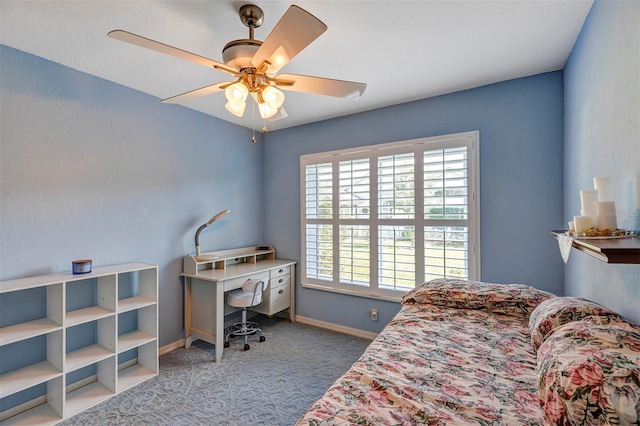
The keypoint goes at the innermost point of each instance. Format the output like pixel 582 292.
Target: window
pixel 378 220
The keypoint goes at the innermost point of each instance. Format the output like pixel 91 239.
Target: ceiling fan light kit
pixel 238 53
pixel 272 97
pixel 236 109
pixel 236 92
pixel 255 64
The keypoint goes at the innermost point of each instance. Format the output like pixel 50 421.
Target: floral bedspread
pixel 439 365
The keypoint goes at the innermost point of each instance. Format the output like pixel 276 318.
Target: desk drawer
pixel 235 283
pixel 277 297
pixel 284 270
pixel 279 281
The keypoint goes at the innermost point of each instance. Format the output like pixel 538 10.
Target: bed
pixel 471 353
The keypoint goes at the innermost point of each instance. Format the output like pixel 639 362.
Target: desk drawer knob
pixel 281 271
pixel 281 280
pixel 281 291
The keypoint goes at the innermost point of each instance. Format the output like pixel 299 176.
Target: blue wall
pixel 91 169
pixel 602 138
pixel 521 129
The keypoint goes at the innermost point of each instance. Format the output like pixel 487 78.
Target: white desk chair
pixel 249 295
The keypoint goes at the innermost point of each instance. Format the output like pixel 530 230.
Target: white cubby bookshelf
pixel 70 341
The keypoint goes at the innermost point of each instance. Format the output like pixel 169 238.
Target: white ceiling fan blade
pixel 296 30
pixel 279 115
pixel 198 93
pixel 170 50
pixel 322 86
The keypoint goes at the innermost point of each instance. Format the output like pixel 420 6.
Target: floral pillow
pixel 511 299
pixel 552 313
pixel 589 374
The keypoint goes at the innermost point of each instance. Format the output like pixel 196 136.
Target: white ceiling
pixel 403 50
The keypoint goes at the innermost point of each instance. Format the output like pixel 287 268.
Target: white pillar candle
pixel 572 227
pixel 582 223
pixel 607 215
pixel 588 201
pixel 603 185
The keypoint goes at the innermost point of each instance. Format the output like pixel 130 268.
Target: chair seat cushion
pixel 241 299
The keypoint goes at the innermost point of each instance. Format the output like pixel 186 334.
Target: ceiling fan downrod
pixel 238 53
pixel 251 16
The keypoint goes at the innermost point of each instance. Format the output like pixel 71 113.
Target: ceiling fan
pixel 255 64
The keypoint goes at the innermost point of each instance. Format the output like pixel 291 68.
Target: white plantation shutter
pixel 396 200
pixel 396 186
pixel 379 220
pixel 319 252
pixel 446 252
pixel 397 257
pixel 319 197
pixel 319 236
pixel 446 213
pixel 353 189
pixel 354 254
pixel 445 183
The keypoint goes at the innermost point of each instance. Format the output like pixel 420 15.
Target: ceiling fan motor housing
pixel 238 53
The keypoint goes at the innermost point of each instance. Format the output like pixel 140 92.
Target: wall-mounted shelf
pixel 609 250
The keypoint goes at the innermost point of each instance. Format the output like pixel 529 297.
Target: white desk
pixel 207 279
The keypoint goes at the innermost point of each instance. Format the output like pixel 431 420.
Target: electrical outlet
pixel 373 314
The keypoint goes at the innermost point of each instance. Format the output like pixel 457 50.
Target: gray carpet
pixel 273 383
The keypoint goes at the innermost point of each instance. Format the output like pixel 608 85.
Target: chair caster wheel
pixel 246 347
pixel 262 338
pixel 226 344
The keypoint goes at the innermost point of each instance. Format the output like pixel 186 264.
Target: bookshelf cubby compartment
pixel 137 365
pixel 62 346
pixel 136 327
pixel 90 385
pixel 90 342
pixel 46 409
pixel 45 315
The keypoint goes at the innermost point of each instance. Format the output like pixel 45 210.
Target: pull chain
pixel 253 121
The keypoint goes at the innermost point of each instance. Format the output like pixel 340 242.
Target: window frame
pixel 418 146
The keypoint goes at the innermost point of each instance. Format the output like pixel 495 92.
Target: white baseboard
pixel 304 320
pixel 170 347
pixel 335 327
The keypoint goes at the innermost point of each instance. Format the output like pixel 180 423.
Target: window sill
pixel 361 293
